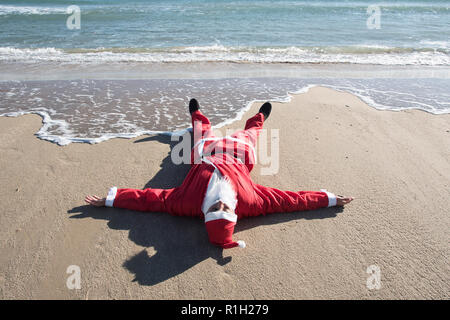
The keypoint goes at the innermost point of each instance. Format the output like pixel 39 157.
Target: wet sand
pixel 396 165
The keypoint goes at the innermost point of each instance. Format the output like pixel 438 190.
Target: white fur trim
pixel 241 244
pixel 331 198
pixel 215 215
pixel 110 197
pixel 219 189
pixel 201 144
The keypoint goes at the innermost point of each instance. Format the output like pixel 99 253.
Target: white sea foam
pixel 364 54
pixel 95 116
pixel 30 10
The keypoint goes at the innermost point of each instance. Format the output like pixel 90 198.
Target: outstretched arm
pixel 133 199
pixel 275 200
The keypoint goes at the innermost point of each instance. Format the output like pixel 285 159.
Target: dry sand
pixel 396 164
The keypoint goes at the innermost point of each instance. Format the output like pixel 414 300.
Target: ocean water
pixel 410 32
pixel 96 110
pixel 49 69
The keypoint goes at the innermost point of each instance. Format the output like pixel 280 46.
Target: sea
pixel 96 70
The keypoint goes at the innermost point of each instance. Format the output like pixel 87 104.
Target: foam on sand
pixel 93 111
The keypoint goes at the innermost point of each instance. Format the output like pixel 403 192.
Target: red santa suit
pixel 234 157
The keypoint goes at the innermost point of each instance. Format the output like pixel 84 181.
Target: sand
pixel 396 165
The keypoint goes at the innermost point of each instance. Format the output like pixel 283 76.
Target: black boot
pixel 265 110
pixel 193 105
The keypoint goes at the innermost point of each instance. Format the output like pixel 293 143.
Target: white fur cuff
pixel 331 198
pixel 110 197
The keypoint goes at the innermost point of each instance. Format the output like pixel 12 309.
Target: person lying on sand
pixel 218 187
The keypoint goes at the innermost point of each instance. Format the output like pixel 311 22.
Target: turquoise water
pixel 411 32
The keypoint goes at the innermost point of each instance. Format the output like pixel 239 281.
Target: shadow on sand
pixel 179 242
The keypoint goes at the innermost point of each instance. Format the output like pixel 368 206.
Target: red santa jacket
pixel 187 199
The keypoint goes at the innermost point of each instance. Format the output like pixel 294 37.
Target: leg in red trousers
pixel 250 134
pixel 201 128
pixel 241 146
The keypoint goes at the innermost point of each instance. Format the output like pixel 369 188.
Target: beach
pixel 95 95
pixel 395 163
